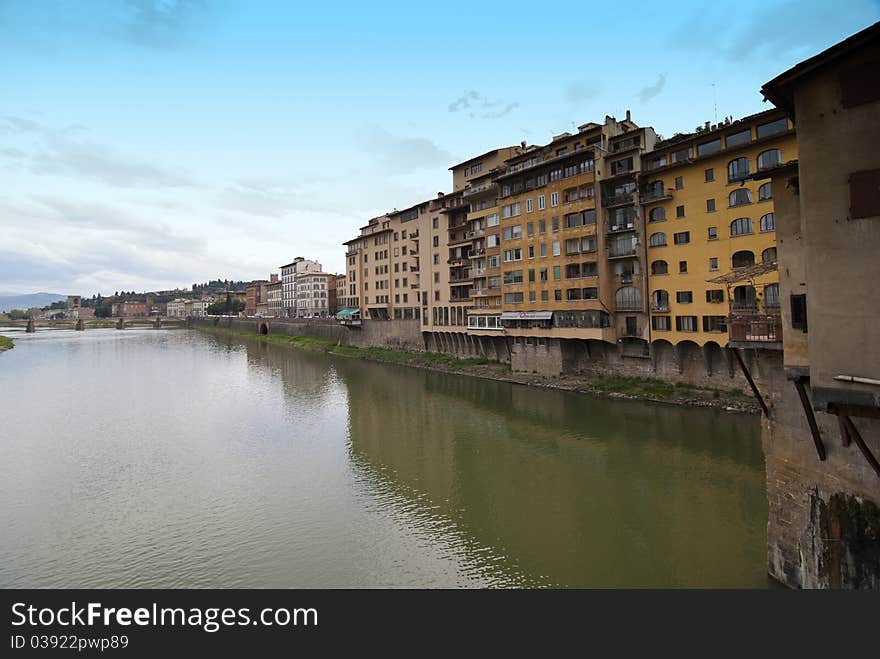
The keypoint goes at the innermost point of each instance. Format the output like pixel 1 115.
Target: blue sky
pixel 146 144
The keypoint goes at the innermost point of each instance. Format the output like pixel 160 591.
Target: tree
pixel 17 314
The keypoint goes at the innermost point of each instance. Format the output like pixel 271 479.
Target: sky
pixel 151 144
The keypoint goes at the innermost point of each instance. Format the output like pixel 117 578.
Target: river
pixel 174 458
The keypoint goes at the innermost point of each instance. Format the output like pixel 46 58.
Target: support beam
pixel 857 438
pixel 811 418
pixel 752 384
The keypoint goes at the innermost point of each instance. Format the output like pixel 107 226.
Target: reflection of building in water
pixel 567 489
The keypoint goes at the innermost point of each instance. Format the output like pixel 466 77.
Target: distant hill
pixel 25 302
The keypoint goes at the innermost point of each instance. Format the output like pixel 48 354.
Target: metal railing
pixel 765 328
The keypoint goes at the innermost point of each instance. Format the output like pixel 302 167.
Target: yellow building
pixel 707 218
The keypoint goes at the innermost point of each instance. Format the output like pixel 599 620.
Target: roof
pixel 720 128
pixel 481 156
pixel 779 90
pixel 745 274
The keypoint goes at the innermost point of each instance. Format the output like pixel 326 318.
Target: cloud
pixel 578 91
pixel 60 152
pixel 481 107
pixel 160 23
pixel 402 154
pixel 652 91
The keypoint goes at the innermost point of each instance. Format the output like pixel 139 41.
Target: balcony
pixel 414 235
pixel 458 260
pixel 477 252
pixel 461 240
pixel 478 272
pixel 477 189
pixel 660 307
pixel 478 233
pixel 655 195
pixel 414 269
pixel 618 200
pixel 479 292
pixel 620 228
pixel 753 328
pixel 621 251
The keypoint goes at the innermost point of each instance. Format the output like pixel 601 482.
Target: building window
pixel 768 255
pixel 686 323
pixel 740 197
pixel 492 220
pixel 682 155
pixel 513 277
pixel 556 249
pixel 715 324
pixel 741 227
pixel 710 175
pixel 769 158
pixel 512 232
pixel 713 233
pixel 554 223
pixel 737 169
pixel 684 297
pixel 765 192
pixel 657 239
pixel 435 223
pixel 679 182
pixel 715 296
pixel 713 263
pixel 545 296
pixel 742 137
pixel 541 203
pixel 774 127
pixel 660 300
pixel 682 267
pixel 436 241
pixel 742 259
pixel 657 214
pixel 679 211
pixel 768 222
pixel 531 296
pixel 542 226
pixel 659 268
pixel 543 249
pixel 709 147
pixel 513 298
pixel 531 251
pixel 554 199
pixel 660 323
pixel 710 205
pixel 557 273
pixel 771 296
pixel 681 238
pixel 529 206
pixel 799 311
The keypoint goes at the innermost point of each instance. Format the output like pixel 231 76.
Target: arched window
pixel 768 255
pixel 657 239
pixel 741 227
pixel 744 297
pixel 768 222
pixel 765 192
pixel 771 296
pixel 740 196
pixel 657 215
pixel 659 268
pixel 660 301
pixel 742 259
pixel 628 297
pixel 737 169
pixel 769 158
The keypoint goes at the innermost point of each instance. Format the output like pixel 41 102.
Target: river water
pixel 173 458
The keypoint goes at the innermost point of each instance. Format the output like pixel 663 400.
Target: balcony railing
pixel 458 260
pixel 476 233
pixel 476 189
pixel 618 199
pixel 617 228
pixel 477 252
pixel 655 195
pixel 660 307
pixel 619 251
pixel 761 328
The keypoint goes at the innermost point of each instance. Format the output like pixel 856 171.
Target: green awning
pixel 348 312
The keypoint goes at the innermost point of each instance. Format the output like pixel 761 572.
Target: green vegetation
pixel 431 359
pixel 658 389
pixel 5 343
pixel 227 307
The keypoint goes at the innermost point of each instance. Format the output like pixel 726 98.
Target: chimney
pixel 523 144
pixel 706 127
pixel 628 116
pixel 439 194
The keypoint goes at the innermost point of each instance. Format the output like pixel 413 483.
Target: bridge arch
pixel 263 328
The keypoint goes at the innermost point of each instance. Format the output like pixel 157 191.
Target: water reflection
pixel 172 458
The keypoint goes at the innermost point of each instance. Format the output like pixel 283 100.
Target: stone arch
pixel 263 328
pixel 713 356
pixel 689 358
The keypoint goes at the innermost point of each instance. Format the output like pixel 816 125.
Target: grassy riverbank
pixel 611 387
pixel 5 343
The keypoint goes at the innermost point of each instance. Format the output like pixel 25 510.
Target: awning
pixel 745 274
pixel 526 315
pixel 348 312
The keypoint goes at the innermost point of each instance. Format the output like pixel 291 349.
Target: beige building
pixel 274 297
pixel 822 441
pixel 289 273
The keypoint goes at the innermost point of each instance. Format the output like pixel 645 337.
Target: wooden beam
pixel 811 418
pixel 857 438
pixel 751 382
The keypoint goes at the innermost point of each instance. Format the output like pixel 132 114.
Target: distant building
pixel 254 297
pixel 176 308
pixel 129 309
pixel 299 266
pixel 274 297
pixel 196 308
pixel 74 301
pixel 81 313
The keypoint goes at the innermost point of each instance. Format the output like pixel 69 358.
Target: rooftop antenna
pixel 715 102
